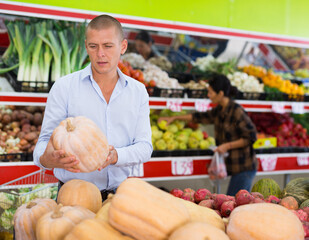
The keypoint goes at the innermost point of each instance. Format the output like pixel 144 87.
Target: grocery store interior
pixel 262 48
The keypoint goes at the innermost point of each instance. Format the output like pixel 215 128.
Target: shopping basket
pixel 38 184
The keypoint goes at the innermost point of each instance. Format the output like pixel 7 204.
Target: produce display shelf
pixel 173 168
pixel 39 99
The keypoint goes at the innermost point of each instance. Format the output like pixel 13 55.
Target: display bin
pixel 197 93
pixel 166 92
pixel 13 194
pixel 28 86
pixel 13 157
pixel 182 153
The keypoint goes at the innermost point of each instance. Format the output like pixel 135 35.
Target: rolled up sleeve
pixel 141 149
pixel 55 112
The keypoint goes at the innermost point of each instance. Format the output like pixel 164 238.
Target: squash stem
pixel 70 127
pixel 57 213
pixel 30 204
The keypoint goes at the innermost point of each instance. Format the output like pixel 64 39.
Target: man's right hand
pixel 52 158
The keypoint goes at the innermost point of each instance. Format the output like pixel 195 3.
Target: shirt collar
pixel 87 73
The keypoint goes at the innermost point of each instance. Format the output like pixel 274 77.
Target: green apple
pixel 167 136
pixel 182 146
pixel 172 128
pixel 172 145
pixel 204 144
pixel 162 125
pixel 193 143
pixel 160 144
pixel 197 134
pixel 212 141
pixel 157 134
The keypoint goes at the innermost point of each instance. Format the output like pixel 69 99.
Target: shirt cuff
pixel 121 157
pixel 36 157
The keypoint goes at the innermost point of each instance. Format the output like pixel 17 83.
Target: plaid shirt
pixel 232 124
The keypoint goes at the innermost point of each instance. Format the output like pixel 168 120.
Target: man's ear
pixel 124 46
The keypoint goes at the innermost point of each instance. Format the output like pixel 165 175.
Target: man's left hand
pixel 112 157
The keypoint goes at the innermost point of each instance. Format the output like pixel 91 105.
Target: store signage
pixel 201 105
pixel 268 163
pixel 182 166
pixel 298 108
pixel 278 107
pixel 303 160
pixel 174 105
pixel 137 170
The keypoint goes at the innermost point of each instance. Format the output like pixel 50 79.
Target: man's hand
pixel 223 148
pixel 112 157
pixel 57 159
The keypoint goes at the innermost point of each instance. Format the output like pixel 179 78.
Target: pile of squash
pixel 139 210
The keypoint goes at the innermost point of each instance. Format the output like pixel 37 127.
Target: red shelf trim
pixel 49 11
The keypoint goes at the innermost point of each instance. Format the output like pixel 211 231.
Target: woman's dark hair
pixel 144 36
pixel 219 82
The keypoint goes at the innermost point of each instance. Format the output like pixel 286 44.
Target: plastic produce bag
pixel 217 168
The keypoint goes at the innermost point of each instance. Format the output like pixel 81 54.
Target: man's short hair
pixel 105 21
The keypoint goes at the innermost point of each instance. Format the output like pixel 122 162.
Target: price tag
pixel 182 166
pixel 303 160
pixel 174 105
pixel 278 107
pixel 268 163
pixel 201 105
pixel 137 170
pixel 298 108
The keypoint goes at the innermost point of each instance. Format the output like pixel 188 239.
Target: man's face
pixel 104 48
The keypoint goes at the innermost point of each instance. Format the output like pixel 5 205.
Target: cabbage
pixel 54 192
pixel 6 200
pixel 6 219
pixel 43 191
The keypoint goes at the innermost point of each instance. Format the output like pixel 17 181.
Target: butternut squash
pixel 143 211
pixel 263 221
pixel 98 229
pixel 198 231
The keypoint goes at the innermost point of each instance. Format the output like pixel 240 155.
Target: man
pixel 118 104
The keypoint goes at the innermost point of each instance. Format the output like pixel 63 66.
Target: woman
pixel 143 45
pixel 234 132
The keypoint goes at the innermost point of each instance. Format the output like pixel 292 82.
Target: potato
pixel 30 136
pixel 6 119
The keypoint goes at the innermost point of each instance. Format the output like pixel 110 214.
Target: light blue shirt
pixel 124 121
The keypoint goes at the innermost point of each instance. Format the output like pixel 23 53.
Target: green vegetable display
pixel 38 46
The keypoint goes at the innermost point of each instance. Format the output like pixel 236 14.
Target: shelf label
pixel 174 105
pixel 278 107
pixel 201 105
pixel 303 160
pixel 298 108
pixel 137 170
pixel 182 166
pixel 268 163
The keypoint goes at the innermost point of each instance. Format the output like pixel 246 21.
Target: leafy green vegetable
pixel 6 219
pixel 6 200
